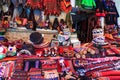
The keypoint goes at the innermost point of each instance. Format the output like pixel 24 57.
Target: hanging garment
pixel 66 6
pixel 100 5
pixel 52 7
pixel 20 9
pixel 27 11
pixel 31 18
pixel 11 9
pixel 5 8
pixel 0 4
pixel 88 4
pixel 35 3
pixel 112 14
pixel 78 2
pixel 100 8
pixel 69 20
pixel 37 15
pixel 5 5
pixel 15 13
pixel 72 3
pixel 23 13
pixel 55 24
pixel 117 4
pixel 17 2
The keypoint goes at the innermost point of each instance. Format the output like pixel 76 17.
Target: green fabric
pixel 78 2
pixel 88 4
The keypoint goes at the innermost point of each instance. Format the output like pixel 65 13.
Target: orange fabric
pixel 66 6
pixel 109 36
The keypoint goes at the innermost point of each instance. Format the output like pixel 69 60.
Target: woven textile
pixel 52 7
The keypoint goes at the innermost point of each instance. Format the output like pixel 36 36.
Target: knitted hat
pixel 36 38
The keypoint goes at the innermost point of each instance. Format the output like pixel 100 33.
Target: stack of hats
pixel 98 36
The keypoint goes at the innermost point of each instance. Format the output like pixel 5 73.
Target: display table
pixel 16 34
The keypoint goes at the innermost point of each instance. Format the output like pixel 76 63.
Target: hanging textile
pixel 15 13
pixel 28 10
pixel 88 4
pixel 117 4
pixel 78 2
pixel 112 14
pixel 17 2
pixel 73 3
pixel 100 8
pixel 35 3
pixel 66 6
pixel 55 24
pixel 69 20
pixel 52 7
pixel 37 15
pixel 11 9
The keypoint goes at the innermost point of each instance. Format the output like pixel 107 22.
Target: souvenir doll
pixel 46 52
pixel 53 52
pixel 47 23
pixel 5 22
pixel 63 25
pixel 56 24
pixel 3 51
pixel 11 50
pixel 66 70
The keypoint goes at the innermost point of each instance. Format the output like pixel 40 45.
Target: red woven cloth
pixel 106 73
pixel 52 7
pixel 35 3
pixel 109 78
pixel 66 6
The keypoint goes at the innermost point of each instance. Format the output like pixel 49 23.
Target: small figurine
pixel 3 51
pixel 11 50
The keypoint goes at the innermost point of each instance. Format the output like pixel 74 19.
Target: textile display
pixel 88 4
pixel 66 6
pixel 111 17
pixel 106 73
pixel 52 7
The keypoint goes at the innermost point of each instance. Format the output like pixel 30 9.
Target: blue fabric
pixel 37 12
pixel 100 5
pixel 16 2
pixel 20 9
pixel 111 18
pixel 28 10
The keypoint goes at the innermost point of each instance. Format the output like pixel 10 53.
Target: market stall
pixel 59 40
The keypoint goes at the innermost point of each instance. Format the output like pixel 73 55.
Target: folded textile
pixel 19 64
pixel 109 78
pixel 106 73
